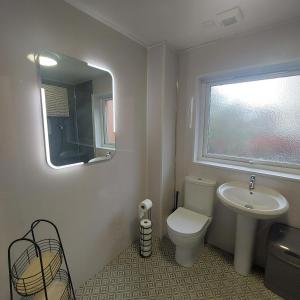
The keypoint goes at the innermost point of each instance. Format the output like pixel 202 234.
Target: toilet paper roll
pixel 145 248
pixel 146 224
pixel 144 206
pixel 145 254
pixel 145 243
pixel 146 232
pixel 146 238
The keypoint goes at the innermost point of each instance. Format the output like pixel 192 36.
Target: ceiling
pixel 186 23
pixel 69 70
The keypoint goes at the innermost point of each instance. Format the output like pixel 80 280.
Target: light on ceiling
pixel 43 60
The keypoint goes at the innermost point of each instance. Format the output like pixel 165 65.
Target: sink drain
pixel 249 206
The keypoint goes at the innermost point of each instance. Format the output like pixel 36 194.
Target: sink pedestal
pixel 244 242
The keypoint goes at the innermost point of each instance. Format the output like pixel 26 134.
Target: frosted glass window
pixel 256 120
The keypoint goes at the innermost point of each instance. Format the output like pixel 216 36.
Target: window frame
pixel 99 121
pixel 104 124
pixel 202 115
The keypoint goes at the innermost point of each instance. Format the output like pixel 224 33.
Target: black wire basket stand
pixel 40 272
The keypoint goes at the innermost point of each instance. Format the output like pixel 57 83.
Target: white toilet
pixel 187 225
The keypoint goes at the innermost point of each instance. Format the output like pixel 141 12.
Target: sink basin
pixel 263 203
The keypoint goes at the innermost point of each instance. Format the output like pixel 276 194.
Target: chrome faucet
pixel 251 183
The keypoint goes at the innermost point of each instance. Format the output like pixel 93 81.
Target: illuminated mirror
pixel 78 110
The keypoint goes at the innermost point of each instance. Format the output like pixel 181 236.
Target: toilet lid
pixel 185 221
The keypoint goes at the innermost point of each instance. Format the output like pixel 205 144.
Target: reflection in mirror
pixel 78 110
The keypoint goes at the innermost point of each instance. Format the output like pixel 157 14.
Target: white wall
pixel 169 108
pixel 94 206
pixel 154 134
pixel 280 45
pixel 10 219
pixel 161 118
pixel 103 84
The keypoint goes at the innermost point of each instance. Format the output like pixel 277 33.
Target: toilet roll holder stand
pixel 146 237
pixel 148 215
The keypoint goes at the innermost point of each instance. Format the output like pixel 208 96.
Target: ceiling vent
pixel 230 17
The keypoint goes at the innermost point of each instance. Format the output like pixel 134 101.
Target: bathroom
pixel 158 53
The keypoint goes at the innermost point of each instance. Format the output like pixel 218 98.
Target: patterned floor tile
pixel 130 277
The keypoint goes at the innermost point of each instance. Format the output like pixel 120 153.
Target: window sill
pixel 281 173
pixel 105 148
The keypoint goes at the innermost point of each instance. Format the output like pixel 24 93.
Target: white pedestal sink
pixel 262 203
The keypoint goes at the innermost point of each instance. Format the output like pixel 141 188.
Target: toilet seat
pixel 185 222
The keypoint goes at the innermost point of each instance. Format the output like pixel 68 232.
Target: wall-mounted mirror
pixel 78 110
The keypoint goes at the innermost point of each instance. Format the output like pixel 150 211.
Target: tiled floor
pixel 131 277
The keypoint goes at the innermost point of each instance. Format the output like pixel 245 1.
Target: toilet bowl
pixel 188 225
pixel 186 229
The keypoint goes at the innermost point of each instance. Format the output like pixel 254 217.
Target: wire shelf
pixel 58 289
pixel 27 273
pixel 41 271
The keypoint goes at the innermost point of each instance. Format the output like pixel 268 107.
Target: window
pixel 108 123
pixel 252 120
pixel 103 119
